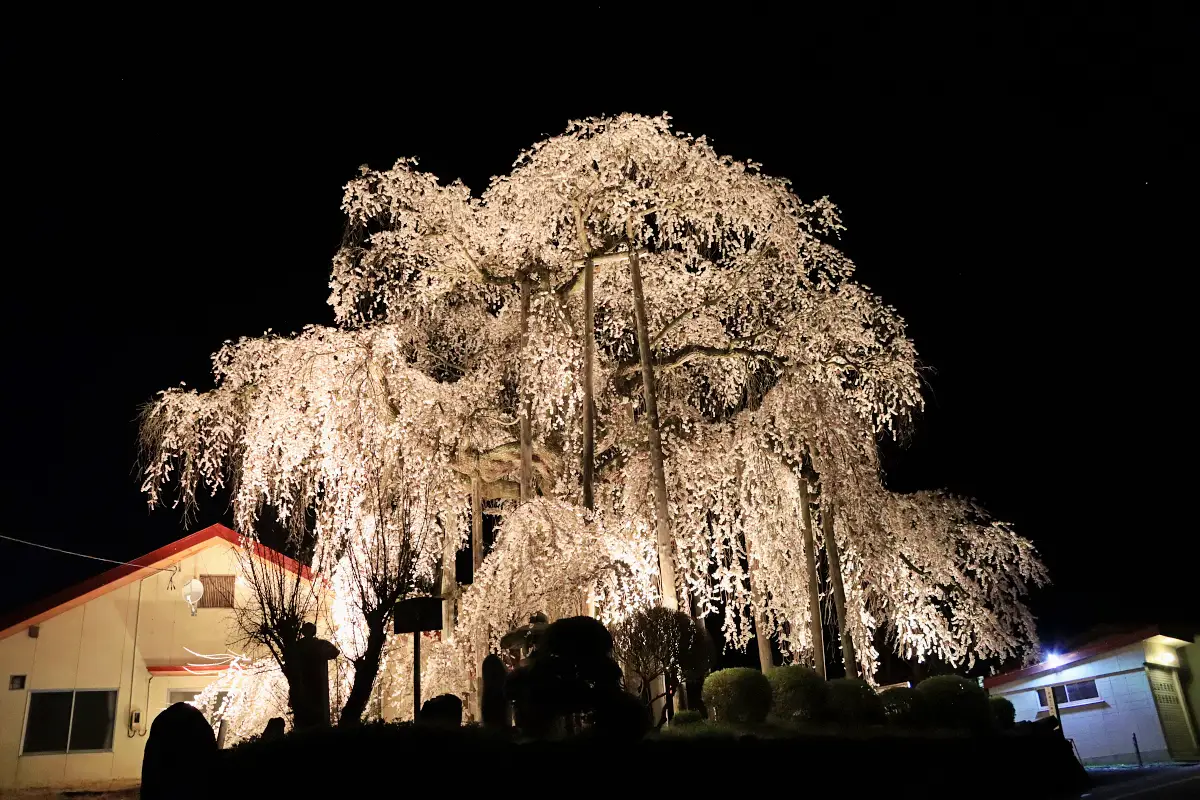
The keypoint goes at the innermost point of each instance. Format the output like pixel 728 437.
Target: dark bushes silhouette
pixel 955 702
pixel 181 743
pixel 445 709
pixel 1004 715
pixel 571 675
pixel 853 702
pixel 903 707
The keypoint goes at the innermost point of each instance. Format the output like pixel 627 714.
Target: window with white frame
pixel 1069 693
pixel 70 721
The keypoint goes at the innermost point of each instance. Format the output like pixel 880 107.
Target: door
pixel 1172 713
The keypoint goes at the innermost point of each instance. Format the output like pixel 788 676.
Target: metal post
pixel 416 675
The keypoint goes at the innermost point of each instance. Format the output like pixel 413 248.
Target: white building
pixel 88 669
pixel 1143 686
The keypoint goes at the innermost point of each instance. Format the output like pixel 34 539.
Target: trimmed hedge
pixel 903 707
pixel 1028 762
pixel 853 702
pixel 798 693
pixel 739 694
pixel 1004 715
pixel 688 716
pixel 952 701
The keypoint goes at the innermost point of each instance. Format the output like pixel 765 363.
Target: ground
pixel 54 794
pixel 1154 782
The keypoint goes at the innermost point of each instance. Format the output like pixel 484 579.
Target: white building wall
pixel 107 643
pixel 1102 728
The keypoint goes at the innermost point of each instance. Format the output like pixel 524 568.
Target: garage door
pixel 1173 714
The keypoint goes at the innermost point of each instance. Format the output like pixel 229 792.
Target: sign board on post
pixel 416 615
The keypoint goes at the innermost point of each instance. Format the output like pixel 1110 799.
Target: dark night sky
pixel 1014 186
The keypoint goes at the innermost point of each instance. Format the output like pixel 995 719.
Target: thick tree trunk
pixel 666 542
pixel 526 410
pixel 839 590
pixel 449 583
pixel 766 660
pixel 476 524
pixel 814 600
pixel 589 407
pixel 366 668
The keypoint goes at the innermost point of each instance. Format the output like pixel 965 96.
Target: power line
pixel 81 555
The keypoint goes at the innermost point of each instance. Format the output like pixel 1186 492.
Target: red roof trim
pixel 1090 650
pixel 185 669
pixel 118 576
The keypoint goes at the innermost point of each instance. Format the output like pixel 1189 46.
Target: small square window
pixel 16 682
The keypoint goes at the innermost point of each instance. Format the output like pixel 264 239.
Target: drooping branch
pixel 687 353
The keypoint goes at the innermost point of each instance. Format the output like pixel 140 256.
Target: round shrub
pixel 798 693
pixel 903 707
pixel 952 701
pixel 1004 716
pixel 739 694
pixel 853 702
pixel 688 716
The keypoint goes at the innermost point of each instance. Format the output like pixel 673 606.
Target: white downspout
pixel 133 666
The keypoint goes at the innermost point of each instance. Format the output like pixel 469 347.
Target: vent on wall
pixel 218 591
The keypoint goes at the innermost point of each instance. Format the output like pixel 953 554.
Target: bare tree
pixel 382 566
pixel 282 596
pixel 658 644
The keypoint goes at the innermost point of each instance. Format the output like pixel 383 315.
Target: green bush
pixel 687 717
pixel 798 693
pixel 738 694
pixel 903 707
pixel 853 702
pixel 1004 716
pixel 952 701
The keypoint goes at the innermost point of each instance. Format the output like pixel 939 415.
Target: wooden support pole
pixel 839 590
pixel 814 600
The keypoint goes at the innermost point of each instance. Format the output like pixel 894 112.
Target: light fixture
pixel 1053 659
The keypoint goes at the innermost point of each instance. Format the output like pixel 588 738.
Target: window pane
pixel 181 696
pixel 49 720
pixel 1060 694
pixel 1041 693
pixel 1084 690
pixel 95 716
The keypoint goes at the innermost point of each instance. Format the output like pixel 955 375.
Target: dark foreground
pixel 385 759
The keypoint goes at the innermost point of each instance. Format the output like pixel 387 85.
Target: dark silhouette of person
pixel 494 703
pixel 274 729
pixel 308 677
pixel 181 743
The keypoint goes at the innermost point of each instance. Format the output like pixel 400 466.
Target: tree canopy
pixel 738 373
